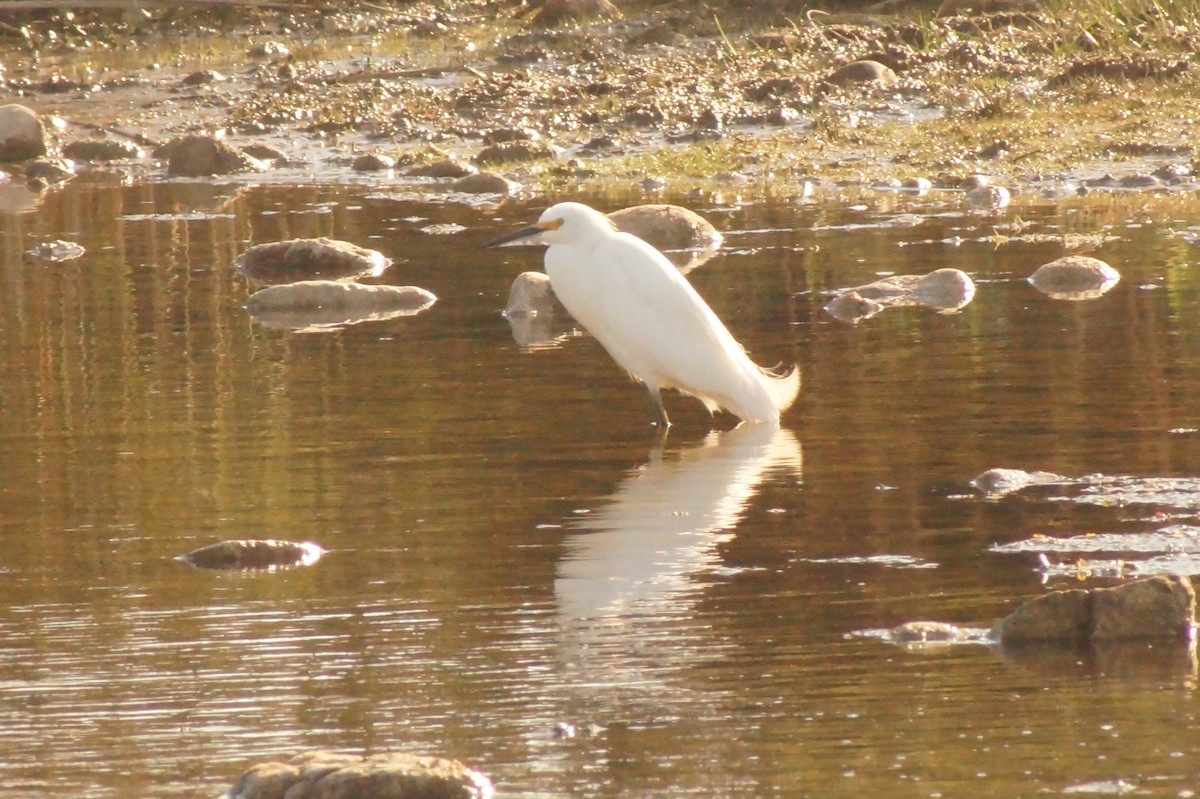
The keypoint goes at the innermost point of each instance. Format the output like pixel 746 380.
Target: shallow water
pixel 511 547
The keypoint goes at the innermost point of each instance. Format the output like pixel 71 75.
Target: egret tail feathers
pixel 783 386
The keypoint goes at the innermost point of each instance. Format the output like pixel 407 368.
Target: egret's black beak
pixel 523 233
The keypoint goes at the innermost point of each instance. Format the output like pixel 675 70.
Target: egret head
pixel 565 223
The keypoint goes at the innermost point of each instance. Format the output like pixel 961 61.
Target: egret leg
pixel 660 413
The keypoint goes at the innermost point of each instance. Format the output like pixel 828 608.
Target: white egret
pixel 650 319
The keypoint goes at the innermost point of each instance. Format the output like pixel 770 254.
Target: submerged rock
pixel 1075 277
pixel 944 290
pixel 373 162
pixel 253 554
pixel 850 306
pixel 199 155
pixel 309 259
pixel 22 134
pixel 326 304
pixel 997 482
pixel 57 250
pixel 929 632
pixel 328 775
pixel 50 170
pixel 1157 607
pixel 667 227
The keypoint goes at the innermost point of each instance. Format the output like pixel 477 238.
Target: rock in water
pixel 22 134
pixel 328 775
pixel 667 227
pixel 310 259
pixel 253 554
pixel 1075 277
pixel 1156 607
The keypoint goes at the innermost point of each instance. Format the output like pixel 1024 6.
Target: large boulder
pixel 22 134
pixel 328 775
pixel 1157 607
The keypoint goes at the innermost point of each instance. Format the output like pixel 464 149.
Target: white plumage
pixel 648 317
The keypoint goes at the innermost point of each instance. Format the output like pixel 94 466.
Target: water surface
pixel 512 547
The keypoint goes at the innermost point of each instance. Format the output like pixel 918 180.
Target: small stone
pixel 268 50
pixel 445 168
pixel 865 71
pixel 485 183
pixel 515 151
pixel 203 77
pixel 101 150
pixel 502 135
pixel 372 162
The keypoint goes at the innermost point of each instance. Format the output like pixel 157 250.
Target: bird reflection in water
pixel 639 555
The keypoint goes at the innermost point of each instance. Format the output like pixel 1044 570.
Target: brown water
pixel 513 549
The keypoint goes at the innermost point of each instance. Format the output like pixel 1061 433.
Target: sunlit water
pixel 513 549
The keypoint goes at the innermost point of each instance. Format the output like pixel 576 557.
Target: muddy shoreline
pixel 657 95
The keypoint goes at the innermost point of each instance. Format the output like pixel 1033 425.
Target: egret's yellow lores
pixel 650 319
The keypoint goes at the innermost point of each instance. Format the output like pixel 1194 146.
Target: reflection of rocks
pixel 1075 277
pixel 253 554
pixel 202 156
pixel 1157 607
pixel 328 304
pixel 22 134
pixel 945 290
pixel 327 775
pixel 310 259
pixel 998 482
pixel 537 318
